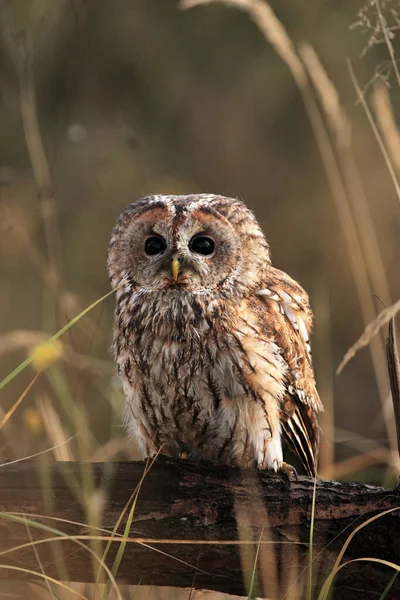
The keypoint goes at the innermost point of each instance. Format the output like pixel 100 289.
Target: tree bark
pixel 192 516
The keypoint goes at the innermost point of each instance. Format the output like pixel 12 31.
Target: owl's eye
pixel 202 245
pixel 154 245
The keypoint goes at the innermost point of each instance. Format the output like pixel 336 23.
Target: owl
pixel 211 341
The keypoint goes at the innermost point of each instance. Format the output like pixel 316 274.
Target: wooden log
pixel 192 516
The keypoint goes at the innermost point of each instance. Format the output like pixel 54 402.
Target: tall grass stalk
pixel 310 548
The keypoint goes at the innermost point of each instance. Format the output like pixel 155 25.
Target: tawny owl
pixel 211 340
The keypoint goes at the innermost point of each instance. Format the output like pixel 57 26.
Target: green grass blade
pixel 388 587
pixel 56 336
pixel 121 549
pixel 15 372
pixel 253 574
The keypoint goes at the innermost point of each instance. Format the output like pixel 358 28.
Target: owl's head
pixel 201 243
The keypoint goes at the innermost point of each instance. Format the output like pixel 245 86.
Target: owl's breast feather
pixel 198 376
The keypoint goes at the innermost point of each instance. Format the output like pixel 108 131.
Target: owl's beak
pixel 175 265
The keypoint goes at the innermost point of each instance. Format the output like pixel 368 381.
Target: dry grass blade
pixel 328 95
pixel 145 542
pixel 21 50
pixel 382 147
pixel 336 567
pixel 271 27
pixel 371 261
pixel 258 557
pixel 14 407
pixel 394 375
pixel 21 338
pixel 369 333
pixel 325 590
pixel 384 114
pixel 57 535
pixel 46 578
pixel 17 460
pixel 388 37
pixel 356 463
pixel 54 429
pixel 363 244
pixel 48 586
pixel 369 452
pixel 350 537
pixel 79 539
pixel 115 536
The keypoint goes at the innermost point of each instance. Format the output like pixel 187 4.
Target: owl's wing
pixel 291 321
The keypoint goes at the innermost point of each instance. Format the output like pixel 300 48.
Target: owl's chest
pixel 190 384
pixel 200 369
pixel 176 360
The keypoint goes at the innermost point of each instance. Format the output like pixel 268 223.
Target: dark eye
pixel 154 245
pixel 202 245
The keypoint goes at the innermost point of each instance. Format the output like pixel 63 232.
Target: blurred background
pixel 141 97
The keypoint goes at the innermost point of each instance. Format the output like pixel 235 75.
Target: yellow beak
pixel 175 268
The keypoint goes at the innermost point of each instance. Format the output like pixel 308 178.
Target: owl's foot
pixel 184 455
pixel 289 471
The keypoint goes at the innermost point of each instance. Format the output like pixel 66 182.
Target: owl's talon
pixel 289 471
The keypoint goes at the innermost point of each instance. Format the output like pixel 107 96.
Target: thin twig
pixel 389 44
pixel 369 333
pixel 394 375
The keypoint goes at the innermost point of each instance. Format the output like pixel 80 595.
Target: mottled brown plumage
pixel 211 341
